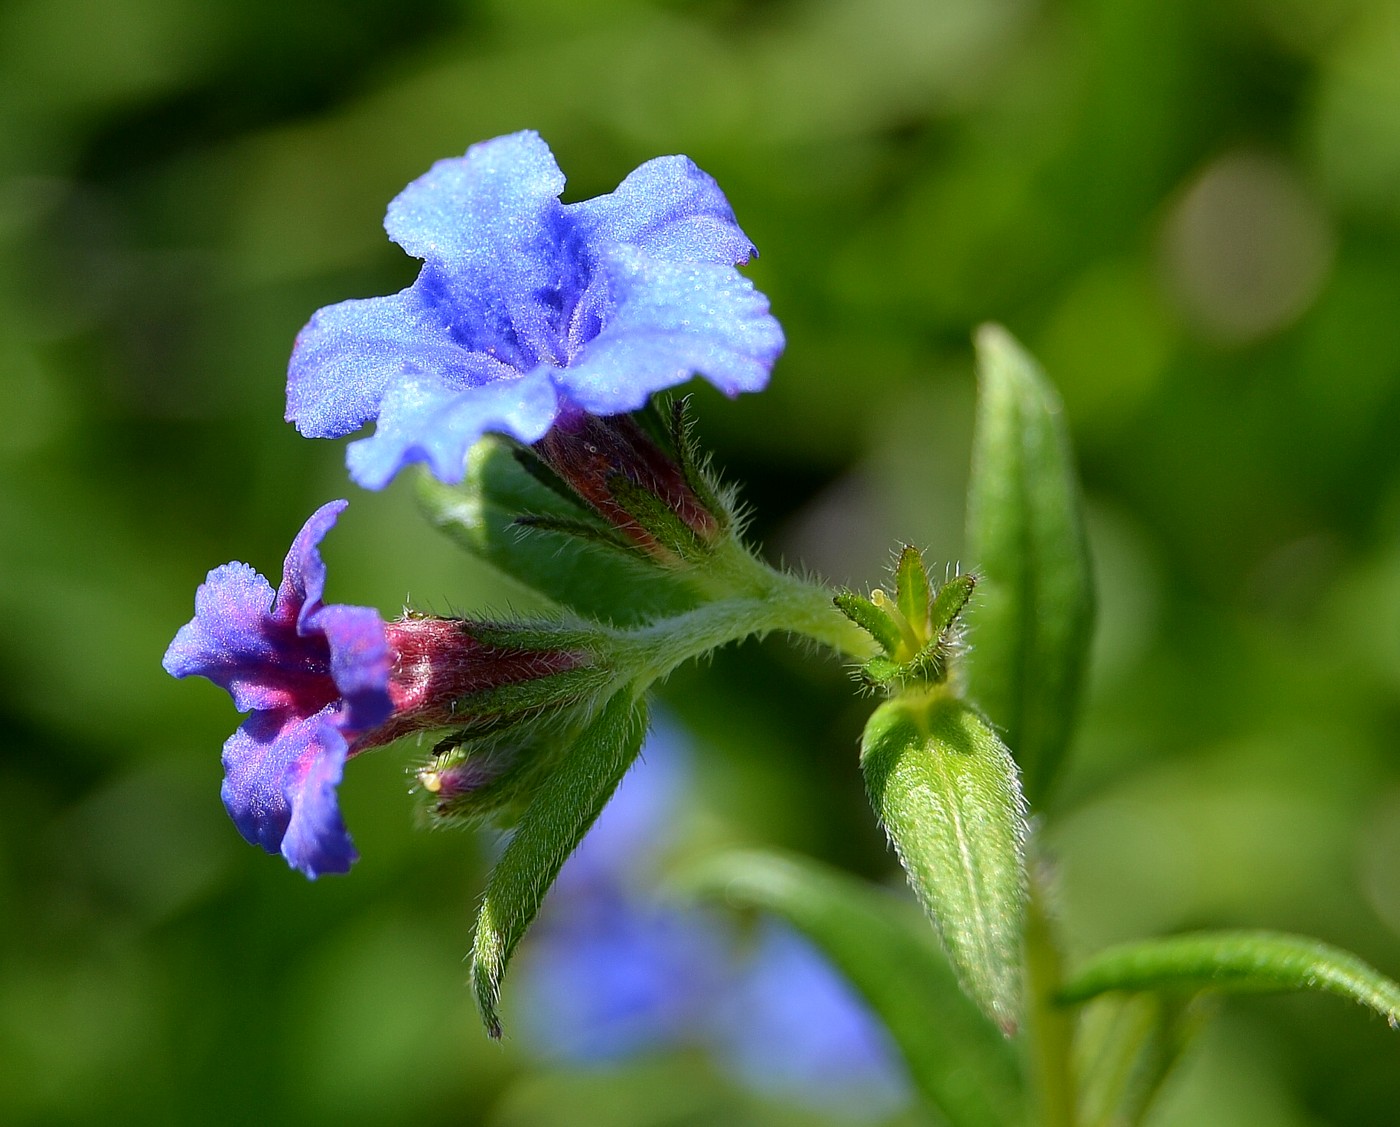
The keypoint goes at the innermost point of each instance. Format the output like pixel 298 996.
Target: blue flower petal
pixel 489 226
pixel 794 1026
pixel 317 841
pixel 421 421
pixel 226 640
pixel 669 209
pixel 281 771
pixel 303 571
pixel 466 210
pixel 349 353
pixel 672 320
pixel 636 290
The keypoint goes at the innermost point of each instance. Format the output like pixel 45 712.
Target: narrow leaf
pixel 482 515
pixel 1236 961
pixel 946 791
pixel 1025 537
pixel 884 947
pixel 565 806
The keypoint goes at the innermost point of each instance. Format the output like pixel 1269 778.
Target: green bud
pixel 947 792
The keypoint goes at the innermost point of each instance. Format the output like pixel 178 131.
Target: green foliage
pixel 1025 536
pixel 1236 961
pixel 1126 1047
pixel 946 791
pixel 562 808
pixel 959 1060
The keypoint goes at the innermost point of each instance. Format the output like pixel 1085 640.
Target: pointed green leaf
pixel 946 791
pixel 1236 961
pixel 563 808
pixel 1025 538
pixel 911 588
pixel 883 945
pixel 592 578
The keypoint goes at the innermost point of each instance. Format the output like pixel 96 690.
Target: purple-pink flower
pixel 314 678
pixel 324 683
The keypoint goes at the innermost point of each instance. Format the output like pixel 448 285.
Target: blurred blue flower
pixel 792 1026
pixel 613 969
pixel 313 677
pixel 527 310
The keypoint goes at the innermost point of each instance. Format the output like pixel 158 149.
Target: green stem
pixel 1050 1026
pixel 761 600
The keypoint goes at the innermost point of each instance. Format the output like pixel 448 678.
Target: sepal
pixel 918 626
pixel 512 518
pixel 489 778
pixel 649 488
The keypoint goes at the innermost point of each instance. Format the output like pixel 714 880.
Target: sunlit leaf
pixel 946 791
pixel 1025 541
pixel 562 810
pixel 1236 961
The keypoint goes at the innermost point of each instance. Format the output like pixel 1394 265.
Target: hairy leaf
pixel 1236 961
pixel 946 791
pixel 1025 541
pixel 563 808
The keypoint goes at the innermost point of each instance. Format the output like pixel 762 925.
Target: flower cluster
pixel 531 318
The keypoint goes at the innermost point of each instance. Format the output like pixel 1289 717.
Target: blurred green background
pixel 1190 211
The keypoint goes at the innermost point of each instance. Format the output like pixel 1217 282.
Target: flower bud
pixel 452 673
pixel 658 503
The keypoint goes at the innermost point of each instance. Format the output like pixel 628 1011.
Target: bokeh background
pixel 1189 210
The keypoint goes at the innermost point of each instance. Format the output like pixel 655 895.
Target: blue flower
pixel 314 678
pixel 527 310
pixel 791 1025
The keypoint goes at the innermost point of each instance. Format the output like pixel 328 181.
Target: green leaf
pixel 560 813
pixel 1025 539
pixel 587 576
pixel 957 1058
pixel 946 791
pixel 1126 1048
pixel 1236 961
